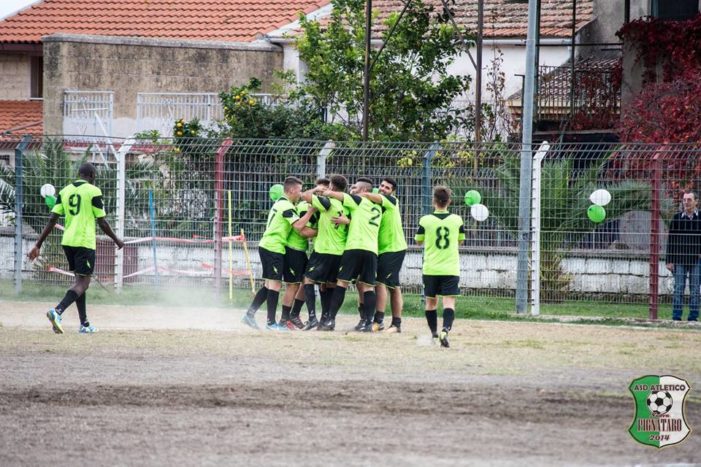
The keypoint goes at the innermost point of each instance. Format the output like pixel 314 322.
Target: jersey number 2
pixel 374 218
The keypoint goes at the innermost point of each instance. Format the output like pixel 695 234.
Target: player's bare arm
pixel 333 194
pixel 34 252
pixel 302 222
pixel 342 219
pixel 307 195
pixel 105 226
pixel 374 197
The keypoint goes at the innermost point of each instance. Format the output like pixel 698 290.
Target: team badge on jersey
pixel 659 410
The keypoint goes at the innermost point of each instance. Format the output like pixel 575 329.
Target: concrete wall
pixel 128 66
pixel 15 77
pixel 483 272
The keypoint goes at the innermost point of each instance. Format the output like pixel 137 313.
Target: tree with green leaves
pixel 411 91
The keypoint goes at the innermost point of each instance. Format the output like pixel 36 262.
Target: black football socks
pixel 82 310
pixel 369 302
pixel 337 298
pixel 68 299
pixel 448 317
pixel 310 299
pixel 432 320
pixel 272 299
pixel 258 300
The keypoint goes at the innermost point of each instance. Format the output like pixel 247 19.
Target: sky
pixel 10 6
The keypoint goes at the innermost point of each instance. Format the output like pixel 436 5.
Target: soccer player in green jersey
pixel 392 249
pixel 282 218
pixel 359 260
pixel 441 233
pixel 81 204
pixel 329 245
pixel 296 263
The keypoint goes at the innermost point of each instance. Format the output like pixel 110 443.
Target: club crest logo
pixel 659 410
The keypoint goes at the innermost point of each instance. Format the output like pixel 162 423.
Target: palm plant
pixel 564 202
pixel 51 165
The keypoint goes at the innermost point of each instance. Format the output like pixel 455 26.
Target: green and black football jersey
pixel 441 233
pixel 365 223
pixel 391 236
pixel 295 240
pixel 330 238
pixel 280 219
pixel 81 203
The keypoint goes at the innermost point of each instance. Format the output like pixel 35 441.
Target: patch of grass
pixel 468 307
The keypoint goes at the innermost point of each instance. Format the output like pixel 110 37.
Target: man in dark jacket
pixel 684 256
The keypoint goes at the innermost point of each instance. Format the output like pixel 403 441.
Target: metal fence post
pixel 427 175
pixel 120 207
pixel 219 212
pixel 19 201
pixel 524 204
pixel 321 158
pixel 535 227
pixel 656 183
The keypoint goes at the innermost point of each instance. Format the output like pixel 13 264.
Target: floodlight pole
pixel 524 205
pixel 478 79
pixel 366 72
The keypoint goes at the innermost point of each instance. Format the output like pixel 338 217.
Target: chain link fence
pixel 195 208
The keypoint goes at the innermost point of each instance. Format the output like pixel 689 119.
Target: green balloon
pixel 472 197
pixel 50 201
pixel 276 192
pixel 596 213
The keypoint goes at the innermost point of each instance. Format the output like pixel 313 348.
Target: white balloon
pixel 479 212
pixel 47 190
pixel 600 197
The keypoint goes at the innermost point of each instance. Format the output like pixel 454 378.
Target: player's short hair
pixel 441 196
pixel 691 192
pixel 323 181
pixel 87 170
pixel 391 181
pixel 364 179
pixel 339 182
pixel 291 181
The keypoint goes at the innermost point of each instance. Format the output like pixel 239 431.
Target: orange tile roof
pixel 508 19
pixel 21 117
pixel 502 18
pixel 217 20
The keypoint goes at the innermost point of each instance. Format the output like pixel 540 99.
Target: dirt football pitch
pixel 194 387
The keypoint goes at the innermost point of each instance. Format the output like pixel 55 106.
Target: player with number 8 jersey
pixel 441 234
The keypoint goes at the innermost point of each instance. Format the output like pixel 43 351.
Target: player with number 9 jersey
pixel 80 203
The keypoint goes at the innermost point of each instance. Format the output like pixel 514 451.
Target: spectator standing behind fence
pixel 81 204
pixel 684 256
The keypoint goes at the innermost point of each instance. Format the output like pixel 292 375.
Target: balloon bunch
pixel 596 212
pixel 276 191
pixel 48 192
pixel 477 210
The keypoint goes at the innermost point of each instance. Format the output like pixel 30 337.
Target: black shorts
pixel 80 260
pixel 388 267
pixel 273 264
pixel 323 267
pixel 360 265
pixel 295 265
pixel 445 286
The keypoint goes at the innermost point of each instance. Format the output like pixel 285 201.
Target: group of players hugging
pixel 358 238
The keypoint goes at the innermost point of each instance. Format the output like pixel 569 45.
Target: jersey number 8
pixel 442 237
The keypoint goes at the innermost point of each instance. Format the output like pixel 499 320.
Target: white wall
pixel 514 63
